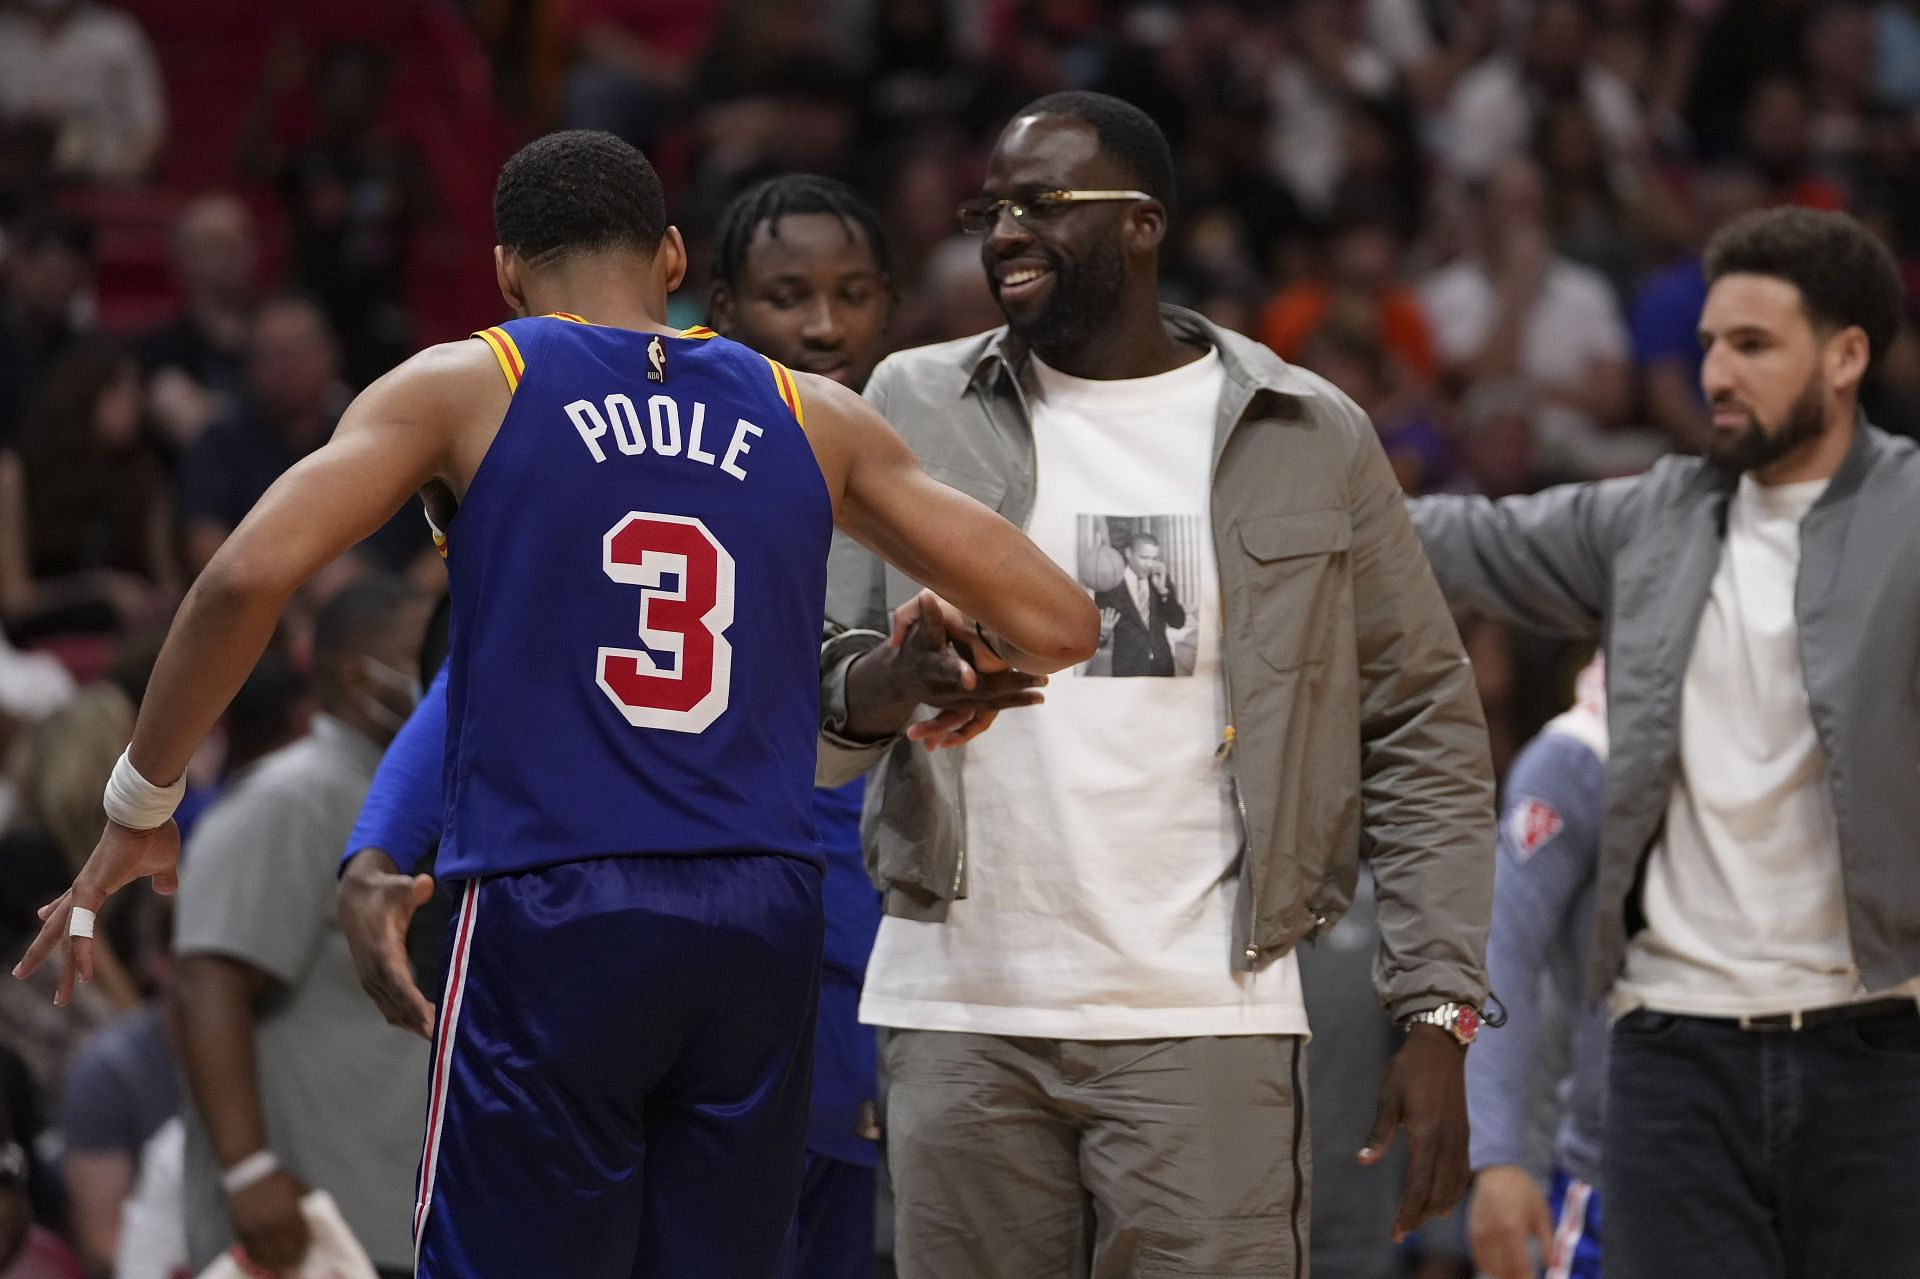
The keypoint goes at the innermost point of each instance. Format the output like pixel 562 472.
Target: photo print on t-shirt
pixel 1140 570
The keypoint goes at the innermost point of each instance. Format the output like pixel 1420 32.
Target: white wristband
pixel 251 1171
pixel 136 803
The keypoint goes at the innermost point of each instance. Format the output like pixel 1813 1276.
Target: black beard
pixel 1084 300
pixel 1754 448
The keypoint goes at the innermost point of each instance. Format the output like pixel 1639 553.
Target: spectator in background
pixel 294 397
pixel 1740 46
pixel 1650 46
pixel 1357 285
pixel 1314 89
pixel 633 59
pixel 1664 318
pixel 121 1087
pixel 90 71
pixel 355 195
pixel 1497 109
pixel 196 362
pixel 49 270
pixel 86 511
pixel 1497 450
pixel 1432 47
pixel 1779 145
pixel 295 1079
pixel 1837 51
pixel 1354 360
pixel 952 301
pixel 273 708
pixel 1587 207
pixel 1513 308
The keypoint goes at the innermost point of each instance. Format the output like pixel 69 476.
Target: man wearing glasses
pixel 1088 962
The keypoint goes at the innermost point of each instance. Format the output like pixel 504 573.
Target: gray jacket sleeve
pixel 1541 561
pixel 856 621
pixel 1426 780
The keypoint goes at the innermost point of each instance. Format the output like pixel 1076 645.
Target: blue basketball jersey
pixel 638 578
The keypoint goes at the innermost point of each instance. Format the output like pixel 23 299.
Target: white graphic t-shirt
pixel 1102 838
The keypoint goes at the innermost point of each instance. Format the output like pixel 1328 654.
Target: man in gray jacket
pixel 1758 895
pixel 1087 960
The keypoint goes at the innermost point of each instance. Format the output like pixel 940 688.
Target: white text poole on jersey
pixel 617 416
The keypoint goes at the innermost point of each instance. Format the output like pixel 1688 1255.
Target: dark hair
pixel 1138 536
pixel 765 203
pixel 1128 136
pixel 1845 275
pixel 576 192
pixel 353 620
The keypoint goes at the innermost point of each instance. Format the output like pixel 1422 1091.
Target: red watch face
pixel 1466 1025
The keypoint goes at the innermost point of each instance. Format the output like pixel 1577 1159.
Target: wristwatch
pixel 1462 1021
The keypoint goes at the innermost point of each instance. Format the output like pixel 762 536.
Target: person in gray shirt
pixel 297 1081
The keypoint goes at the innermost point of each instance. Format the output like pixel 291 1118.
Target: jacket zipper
pixel 1224 754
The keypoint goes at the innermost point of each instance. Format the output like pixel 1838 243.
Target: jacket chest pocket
pixel 1296 566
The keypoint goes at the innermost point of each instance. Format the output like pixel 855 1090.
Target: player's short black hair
pixel 1845 275
pixel 765 203
pixel 353 620
pixel 576 192
pixel 1128 136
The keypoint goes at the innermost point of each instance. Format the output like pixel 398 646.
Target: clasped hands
pixel 933 657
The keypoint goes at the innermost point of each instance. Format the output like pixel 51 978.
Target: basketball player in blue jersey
pixel 637 571
pixel 800 273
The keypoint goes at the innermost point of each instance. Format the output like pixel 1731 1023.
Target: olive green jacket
pixel 1355 728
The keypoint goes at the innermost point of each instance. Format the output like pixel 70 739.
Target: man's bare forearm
pixel 218 635
pixel 213 1018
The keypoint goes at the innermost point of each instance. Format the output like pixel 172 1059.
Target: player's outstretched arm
pixel 398 434
pixel 1037 617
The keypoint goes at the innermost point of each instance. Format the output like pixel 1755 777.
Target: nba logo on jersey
pixel 1532 825
pixel 656 360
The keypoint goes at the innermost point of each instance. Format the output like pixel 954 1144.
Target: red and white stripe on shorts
pixel 443 1059
pixel 1573 1227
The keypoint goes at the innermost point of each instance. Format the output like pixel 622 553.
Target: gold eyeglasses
pixel 977 216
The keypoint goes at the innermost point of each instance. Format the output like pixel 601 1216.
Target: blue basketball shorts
pixel 1576 1228
pixel 621 1071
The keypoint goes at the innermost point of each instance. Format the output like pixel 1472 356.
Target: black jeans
pixel 1763 1154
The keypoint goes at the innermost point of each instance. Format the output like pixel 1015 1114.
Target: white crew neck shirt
pixel 1102 838
pixel 1744 898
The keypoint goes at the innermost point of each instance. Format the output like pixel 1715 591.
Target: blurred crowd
pixel 1480 218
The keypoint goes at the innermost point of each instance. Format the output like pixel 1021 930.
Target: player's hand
pixel 969 712
pixel 932 658
pixel 1109 618
pixel 120 857
pixel 267 1221
pixel 375 904
pixel 1425 1092
pixel 1507 1209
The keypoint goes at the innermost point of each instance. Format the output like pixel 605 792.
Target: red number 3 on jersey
pixel 680 681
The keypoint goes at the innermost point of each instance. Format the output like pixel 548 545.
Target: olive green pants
pixel 1061 1159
